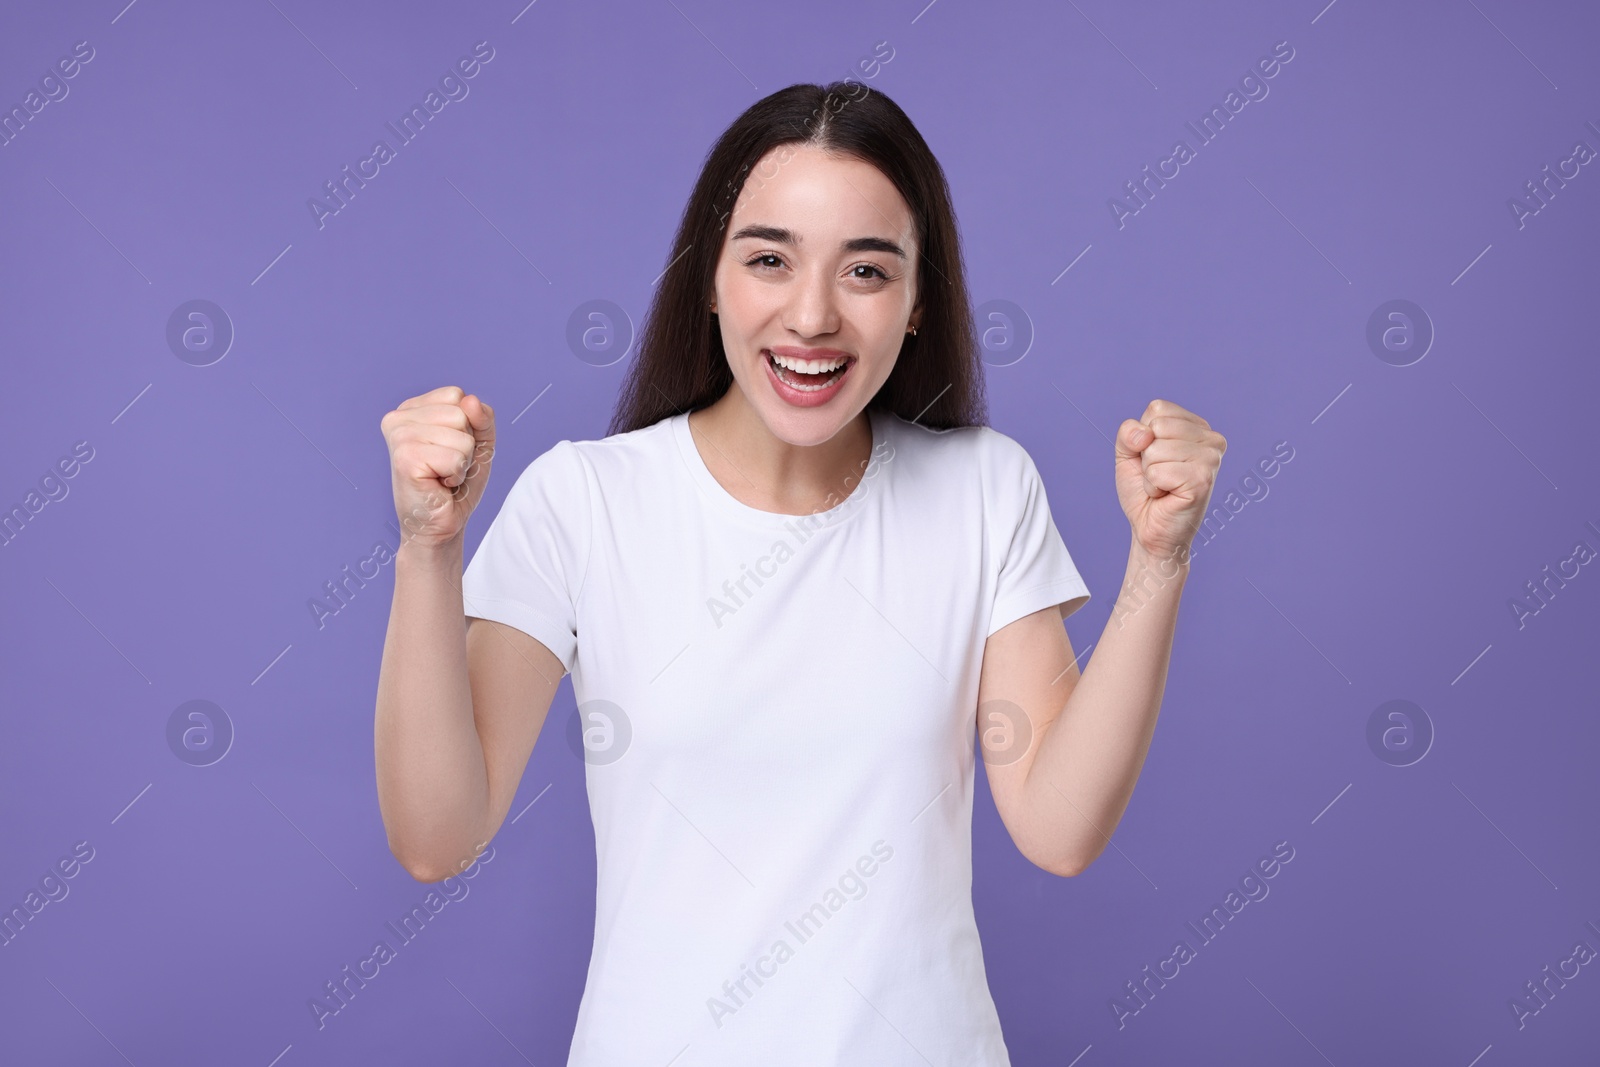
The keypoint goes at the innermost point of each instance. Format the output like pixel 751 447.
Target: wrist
pixel 423 555
pixel 1167 563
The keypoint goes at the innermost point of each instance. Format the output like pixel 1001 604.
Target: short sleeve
pixel 1035 569
pixel 528 570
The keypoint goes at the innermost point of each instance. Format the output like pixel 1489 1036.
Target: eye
pixel 764 255
pixel 872 267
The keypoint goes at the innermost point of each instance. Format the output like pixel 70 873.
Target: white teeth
pixel 808 366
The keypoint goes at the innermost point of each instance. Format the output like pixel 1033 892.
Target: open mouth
pixel 809 376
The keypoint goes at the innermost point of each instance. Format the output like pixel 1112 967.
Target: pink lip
pixel 798 398
pixel 806 353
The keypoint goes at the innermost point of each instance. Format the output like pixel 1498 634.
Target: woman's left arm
pixel 1064 751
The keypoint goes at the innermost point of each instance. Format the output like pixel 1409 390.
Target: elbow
pixel 418 869
pixel 429 869
pixel 1062 869
pixel 416 866
pixel 425 874
pixel 1064 864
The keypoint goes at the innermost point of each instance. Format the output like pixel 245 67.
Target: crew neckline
pixel 726 502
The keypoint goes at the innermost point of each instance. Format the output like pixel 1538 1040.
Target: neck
pixel 763 470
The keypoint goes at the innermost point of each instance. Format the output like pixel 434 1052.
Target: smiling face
pixel 819 272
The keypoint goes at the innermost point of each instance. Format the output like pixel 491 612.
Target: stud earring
pixel 913 331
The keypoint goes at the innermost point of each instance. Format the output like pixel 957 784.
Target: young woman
pixel 791 585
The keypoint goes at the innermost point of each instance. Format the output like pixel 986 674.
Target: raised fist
pixel 440 446
pixel 1166 466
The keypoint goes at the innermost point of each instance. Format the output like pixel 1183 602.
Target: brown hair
pixel 681 366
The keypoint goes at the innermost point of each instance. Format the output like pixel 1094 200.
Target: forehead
pixel 822 197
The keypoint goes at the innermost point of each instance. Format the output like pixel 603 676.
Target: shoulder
pixel 629 451
pixel 995 459
pixel 628 456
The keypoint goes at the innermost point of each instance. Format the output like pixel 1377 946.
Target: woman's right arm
pixel 460 702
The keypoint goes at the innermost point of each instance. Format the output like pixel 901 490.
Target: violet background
pixel 1420 499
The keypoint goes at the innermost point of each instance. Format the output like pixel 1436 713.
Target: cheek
pixel 880 371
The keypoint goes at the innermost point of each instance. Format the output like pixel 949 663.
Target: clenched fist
pixel 1166 467
pixel 440 446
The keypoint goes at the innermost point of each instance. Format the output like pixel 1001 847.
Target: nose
pixel 813 305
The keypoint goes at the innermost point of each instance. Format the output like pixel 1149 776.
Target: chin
pixel 806 427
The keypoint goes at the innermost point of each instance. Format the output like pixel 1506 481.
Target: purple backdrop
pixel 188 486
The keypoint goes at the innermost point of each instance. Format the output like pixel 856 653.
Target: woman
pixel 791 584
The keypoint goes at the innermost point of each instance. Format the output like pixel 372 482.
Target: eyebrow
pixel 780 235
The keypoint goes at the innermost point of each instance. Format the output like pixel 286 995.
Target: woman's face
pixel 819 263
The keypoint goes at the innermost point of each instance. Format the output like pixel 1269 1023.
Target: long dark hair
pixel 681 366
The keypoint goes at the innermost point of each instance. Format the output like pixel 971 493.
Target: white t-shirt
pixel 780 724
